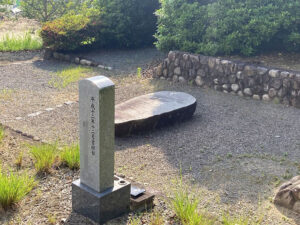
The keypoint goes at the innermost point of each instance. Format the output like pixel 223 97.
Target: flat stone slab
pixel 152 111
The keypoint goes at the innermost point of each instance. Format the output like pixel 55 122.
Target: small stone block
pixel 101 207
pixel 142 202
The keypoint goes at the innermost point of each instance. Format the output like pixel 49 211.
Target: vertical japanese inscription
pixel 93 126
pixel 96 106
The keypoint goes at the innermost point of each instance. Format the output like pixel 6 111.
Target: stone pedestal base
pixel 101 207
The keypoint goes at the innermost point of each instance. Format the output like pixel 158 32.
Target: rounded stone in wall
pixel 251 82
pixel 266 87
pixel 272 92
pixel 225 87
pixel 172 56
pixel 192 73
pixel 85 62
pixel 240 93
pixel 235 87
pixel 177 71
pixel 199 81
pixel 284 74
pixel 185 57
pixel 77 60
pixel 274 73
pixel 165 72
pixel 159 70
pixel 240 75
pixel 256 97
pixel 182 79
pixel 262 70
pixel 248 91
pixel 250 70
pixel 296 85
pixel 211 62
pixel 175 78
pixel 266 97
pixel 276 83
pixel 286 83
pixel 232 78
pixel 201 73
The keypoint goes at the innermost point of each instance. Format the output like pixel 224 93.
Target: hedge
pixel 118 24
pixel 128 24
pixel 229 26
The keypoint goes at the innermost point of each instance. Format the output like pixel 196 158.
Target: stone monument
pixel 98 194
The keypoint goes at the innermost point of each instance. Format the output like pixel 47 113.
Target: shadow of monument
pixel 289 214
pixel 76 219
pixel 229 146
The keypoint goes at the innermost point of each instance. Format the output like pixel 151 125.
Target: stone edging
pixel 239 78
pixel 73 59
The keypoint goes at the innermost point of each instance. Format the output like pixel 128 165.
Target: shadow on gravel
pixel 51 66
pixel 238 147
pixel 290 214
pixel 76 219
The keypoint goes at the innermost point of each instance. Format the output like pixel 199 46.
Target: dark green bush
pixel 229 26
pixel 127 24
pixel 108 23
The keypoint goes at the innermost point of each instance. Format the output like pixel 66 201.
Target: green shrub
pixel 13 187
pixel 70 32
pixel 229 26
pixel 103 24
pixel 20 43
pixel 70 156
pixel 127 24
pixel 44 156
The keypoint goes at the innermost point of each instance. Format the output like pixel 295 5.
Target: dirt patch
pixel 18 26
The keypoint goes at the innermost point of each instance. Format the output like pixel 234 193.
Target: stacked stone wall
pixel 257 82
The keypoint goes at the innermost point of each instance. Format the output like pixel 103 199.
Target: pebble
pixel 34 114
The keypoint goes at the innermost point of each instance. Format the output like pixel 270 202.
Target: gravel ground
pixel 126 61
pixel 234 152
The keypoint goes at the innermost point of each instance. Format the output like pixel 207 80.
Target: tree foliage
pixel 104 24
pixel 45 10
pixel 229 26
pixel 129 23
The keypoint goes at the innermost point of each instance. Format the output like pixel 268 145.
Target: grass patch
pixel 70 156
pixel 45 156
pixel 134 221
pixel 13 187
pixel 1 133
pixel 19 160
pixel 12 43
pixel 156 219
pixel 185 207
pixel 72 74
pixel 227 220
pixel 6 94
